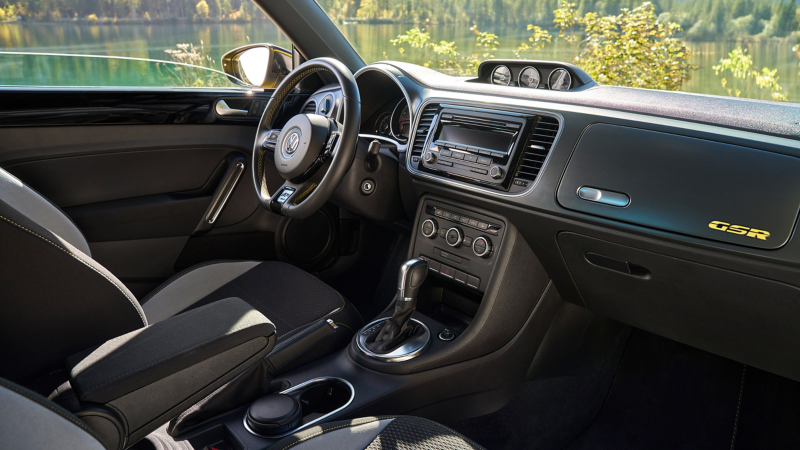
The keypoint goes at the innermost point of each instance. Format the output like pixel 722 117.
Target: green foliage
pixel 539 38
pixel 745 78
pixel 444 55
pixel 634 49
pixel 184 76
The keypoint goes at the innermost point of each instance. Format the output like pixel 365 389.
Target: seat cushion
pixel 299 304
pixel 378 433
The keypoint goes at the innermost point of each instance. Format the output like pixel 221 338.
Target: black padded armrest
pixel 146 356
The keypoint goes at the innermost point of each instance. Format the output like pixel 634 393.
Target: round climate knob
pixel 429 228
pixel 496 172
pixel 454 237
pixel 429 157
pixel 482 247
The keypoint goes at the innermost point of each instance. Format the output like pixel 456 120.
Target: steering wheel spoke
pixel 311 152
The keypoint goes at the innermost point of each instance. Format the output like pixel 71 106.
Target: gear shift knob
pixel 412 274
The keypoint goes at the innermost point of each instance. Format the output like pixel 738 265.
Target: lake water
pixel 371 41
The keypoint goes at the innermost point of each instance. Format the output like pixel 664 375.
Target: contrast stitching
pixel 268 118
pixel 133 302
pixel 230 332
pixel 738 407
pixel 80 424
pixel 351 424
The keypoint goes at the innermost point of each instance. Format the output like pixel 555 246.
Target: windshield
pixel 743 48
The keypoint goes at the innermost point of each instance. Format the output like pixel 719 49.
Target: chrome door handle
pixel 223 109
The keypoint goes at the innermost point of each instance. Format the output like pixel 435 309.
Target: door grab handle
pixel 224 192
pixel 223 109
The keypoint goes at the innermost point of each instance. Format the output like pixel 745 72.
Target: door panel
pixel 137 172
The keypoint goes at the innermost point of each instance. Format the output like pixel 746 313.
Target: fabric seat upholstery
pixel 378 433
pixel 72 303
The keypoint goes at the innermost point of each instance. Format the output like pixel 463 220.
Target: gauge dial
pixel 530 77
pixel 383 124
pixel 501 75
pixel 401 121
pixel 560 80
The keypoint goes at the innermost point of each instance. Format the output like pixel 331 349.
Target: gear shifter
pixel 399 328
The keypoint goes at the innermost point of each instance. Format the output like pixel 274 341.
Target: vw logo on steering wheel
pixel 291 144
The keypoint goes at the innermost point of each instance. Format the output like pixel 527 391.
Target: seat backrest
pixel 55 300
pixel 29 421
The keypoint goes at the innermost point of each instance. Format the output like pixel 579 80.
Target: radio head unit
pixel 479 147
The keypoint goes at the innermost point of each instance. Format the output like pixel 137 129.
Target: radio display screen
pixel 490 140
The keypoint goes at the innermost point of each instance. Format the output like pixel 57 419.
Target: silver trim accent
pixel 392 77
pixel 550 82
pixel 222 109
pixel 401 148
pixel 333 324
pixel 315 381
pixel 486 252
pixel 391 119
pixel 409 350
pixel 502 109
pixel 218 203
pixel 435 228
pixel 519 77
pixel 460 237
pixel 510 76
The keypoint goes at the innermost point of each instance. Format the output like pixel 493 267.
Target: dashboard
pixel 662 210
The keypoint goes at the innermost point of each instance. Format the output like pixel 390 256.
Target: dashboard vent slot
pixel 310 108
pixel 537 147
pixel 422 129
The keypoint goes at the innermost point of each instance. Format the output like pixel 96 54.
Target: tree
pixel 202 9
pixel 740 65
pixel 784 20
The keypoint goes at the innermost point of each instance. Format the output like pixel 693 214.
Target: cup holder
pixel 318 399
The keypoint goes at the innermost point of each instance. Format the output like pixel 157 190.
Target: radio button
pixel 470 158
pixel 480 171
pixel 446 163
pixel 446 153
pixel 485 152
pixel 496 172
pixel 454 237
pixel 473 223
pixel 429 157
pixel 484 160
pixel 457 155
pixel 464 220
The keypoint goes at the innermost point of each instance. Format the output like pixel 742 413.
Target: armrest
pixel 156 372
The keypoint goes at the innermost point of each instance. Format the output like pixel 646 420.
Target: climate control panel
pixel 458 243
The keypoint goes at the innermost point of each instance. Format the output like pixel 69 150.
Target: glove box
pixel 685 185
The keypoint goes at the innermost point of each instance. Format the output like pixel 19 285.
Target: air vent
pixel 537 148
pixel 310 108
pixel 422 129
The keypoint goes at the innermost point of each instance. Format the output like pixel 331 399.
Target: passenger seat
pixel 29 421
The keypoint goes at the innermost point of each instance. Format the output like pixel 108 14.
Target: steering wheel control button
pixel 604 197
pixel 447 335
pixel 454 237
pixel 368 186
pixel 430 228
pixel 482 247
pixel 473 282
pixel 287 192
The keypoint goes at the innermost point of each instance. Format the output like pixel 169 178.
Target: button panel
pixel 491 228
pixel 446 271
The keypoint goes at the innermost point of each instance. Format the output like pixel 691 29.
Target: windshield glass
pixel 743 48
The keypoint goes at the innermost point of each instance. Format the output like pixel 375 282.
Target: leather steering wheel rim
pixel 310 196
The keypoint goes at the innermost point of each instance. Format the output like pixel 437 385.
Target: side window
pixel 144 43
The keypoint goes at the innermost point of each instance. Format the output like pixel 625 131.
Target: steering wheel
pixel 311 152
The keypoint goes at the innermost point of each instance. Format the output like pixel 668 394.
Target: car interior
pixel 383 256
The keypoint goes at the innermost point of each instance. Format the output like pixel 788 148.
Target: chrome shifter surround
pixel 409 350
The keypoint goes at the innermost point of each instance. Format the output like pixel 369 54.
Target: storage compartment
pixel 749 319
pixel 685 185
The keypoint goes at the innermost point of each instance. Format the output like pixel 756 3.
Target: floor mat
pixel 664 395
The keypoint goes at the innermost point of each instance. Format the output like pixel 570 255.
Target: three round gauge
pixel 558 80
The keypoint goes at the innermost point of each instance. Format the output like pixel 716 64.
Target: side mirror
pixel 257 65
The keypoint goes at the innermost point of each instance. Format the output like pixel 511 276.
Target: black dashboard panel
pixel 690 186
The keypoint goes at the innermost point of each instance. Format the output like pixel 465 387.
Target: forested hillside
pixel 701 20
